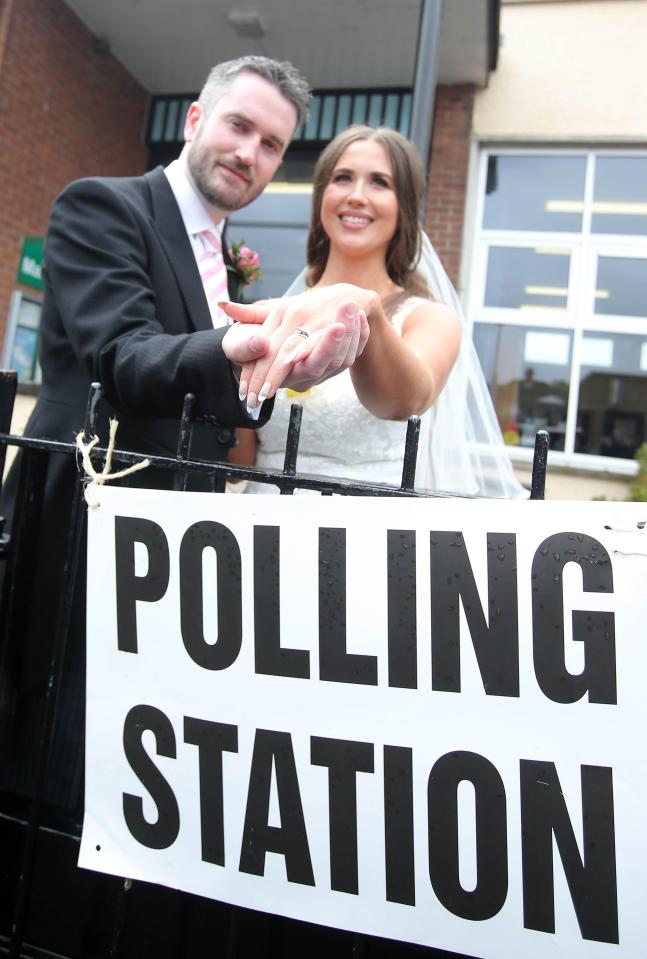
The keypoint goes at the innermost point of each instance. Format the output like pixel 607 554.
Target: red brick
pixel 449 159
pixel 65 112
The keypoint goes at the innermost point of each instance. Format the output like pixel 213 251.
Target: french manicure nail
pixel 291 357
pixel 265 392
pixel 242 390
pixel 251 402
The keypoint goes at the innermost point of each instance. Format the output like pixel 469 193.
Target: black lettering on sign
pixel 344 760
pixel 274 750
pixel 335 664
pixel 398 825
pixel 270 657
pixel 212 739
pixel 402 624
pixel 595 629
pixel 592 878
pixel 489 894
pixel 164 831
pixel 496 642
pixel 131 588
pixel 198 537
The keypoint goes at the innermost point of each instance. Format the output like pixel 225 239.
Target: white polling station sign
pixel 418 719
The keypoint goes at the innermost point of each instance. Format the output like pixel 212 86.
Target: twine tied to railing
pixel 105 476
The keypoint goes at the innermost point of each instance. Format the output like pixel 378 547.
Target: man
pixel 125 304
pixel 124 300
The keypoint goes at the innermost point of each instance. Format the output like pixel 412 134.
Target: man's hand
pixel 244 345
pixel 312 336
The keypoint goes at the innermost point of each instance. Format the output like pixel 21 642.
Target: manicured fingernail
pixel 265 392
pixel 350 309
pixel 251 402
pixel 242 390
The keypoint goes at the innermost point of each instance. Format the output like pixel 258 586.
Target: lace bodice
pixel 339 436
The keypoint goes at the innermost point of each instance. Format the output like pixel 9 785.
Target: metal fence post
pixel 539 465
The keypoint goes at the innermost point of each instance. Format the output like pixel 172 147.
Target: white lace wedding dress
pixel 339 437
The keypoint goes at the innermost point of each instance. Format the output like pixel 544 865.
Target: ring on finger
pixel 301 332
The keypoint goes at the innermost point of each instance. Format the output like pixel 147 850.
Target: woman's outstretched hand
pixel 311 337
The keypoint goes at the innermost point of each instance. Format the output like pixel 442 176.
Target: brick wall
pixel 65 111
pixel 445 211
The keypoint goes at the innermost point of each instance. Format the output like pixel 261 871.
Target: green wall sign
pixel 30 267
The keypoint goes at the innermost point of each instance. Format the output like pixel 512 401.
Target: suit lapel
pixel 170 228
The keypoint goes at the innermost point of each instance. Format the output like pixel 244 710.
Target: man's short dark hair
pixel 281 74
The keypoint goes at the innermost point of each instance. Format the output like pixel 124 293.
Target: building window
pixel 21 342
pixel 559 301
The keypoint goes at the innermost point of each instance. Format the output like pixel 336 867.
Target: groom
pixel 130 266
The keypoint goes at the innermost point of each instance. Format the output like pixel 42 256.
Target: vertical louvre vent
pixel 330 113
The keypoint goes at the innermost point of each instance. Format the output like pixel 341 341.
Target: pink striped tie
pixel 214 275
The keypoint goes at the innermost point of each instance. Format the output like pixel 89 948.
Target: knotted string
pixel 105 476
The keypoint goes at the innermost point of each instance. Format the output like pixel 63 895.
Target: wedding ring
pixel 302 332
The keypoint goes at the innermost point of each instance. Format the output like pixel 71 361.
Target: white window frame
pixel 585 248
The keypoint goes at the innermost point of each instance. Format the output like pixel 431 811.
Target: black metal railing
pixel 116 917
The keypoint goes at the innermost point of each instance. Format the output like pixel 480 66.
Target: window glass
pixel 521 278
pixel 276 226
pixel 575 273
pixel 391 110
pixel 326 127
pixel 312 124
pixel 23 339
pixel 375 110
pixel 621 286
pixel 620 195
pixel 360 106
pixel 405 115
pixel 534 193
pixel 527 371
pixel 159 113
pixel 612 403
pixel 343 112
pixel 170 130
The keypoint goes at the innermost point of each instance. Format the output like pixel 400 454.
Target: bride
pixel 419 359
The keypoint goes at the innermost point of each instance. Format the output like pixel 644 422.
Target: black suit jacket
pixel 124 305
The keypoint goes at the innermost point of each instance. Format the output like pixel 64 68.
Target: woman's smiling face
pixel 359 207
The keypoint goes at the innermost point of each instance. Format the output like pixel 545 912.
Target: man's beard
pixel 202 165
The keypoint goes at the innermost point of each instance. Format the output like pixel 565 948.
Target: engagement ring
pixel 302 332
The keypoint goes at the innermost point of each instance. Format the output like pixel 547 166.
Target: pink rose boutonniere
pixel 245 265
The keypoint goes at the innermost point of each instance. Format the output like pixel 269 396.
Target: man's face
pixel 235 150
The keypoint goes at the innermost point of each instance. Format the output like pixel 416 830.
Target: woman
pixel 364 231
